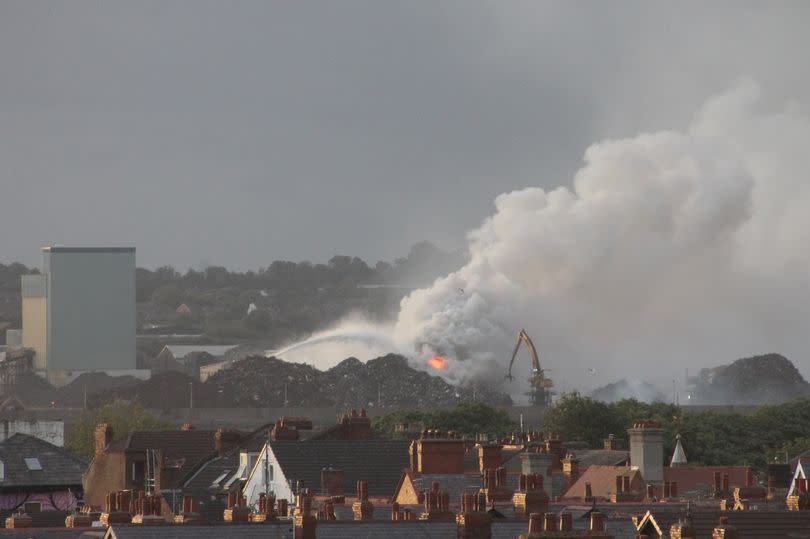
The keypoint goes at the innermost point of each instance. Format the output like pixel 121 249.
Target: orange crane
pixel 540 386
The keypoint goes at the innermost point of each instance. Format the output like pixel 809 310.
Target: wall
pixel 91 308
pixel 34 317
pixel 279 484
pixel 51 431
pixel 106 473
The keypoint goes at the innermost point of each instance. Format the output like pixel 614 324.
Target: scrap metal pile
pixel 256 381
pixel 766 379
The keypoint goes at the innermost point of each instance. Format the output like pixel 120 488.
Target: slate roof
pixel 603 481
pixel 282 530
pixel 379 462
pixel 51 533
pixel 454 484
pixel 385 528
pixel 337 530
pixel 200 482
pixel 749 524
pixel 699 478
pixel 60 467
pixel 42 519
pixel 600 457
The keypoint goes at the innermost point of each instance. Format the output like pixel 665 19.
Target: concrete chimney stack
pixel 647 450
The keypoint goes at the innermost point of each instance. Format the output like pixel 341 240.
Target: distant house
pixel 285 466
pixel 38 476
pixel 142 459
pixel 223 473
pixel 190 359
pixel 330 462
pixel 183 310
pixel 50 431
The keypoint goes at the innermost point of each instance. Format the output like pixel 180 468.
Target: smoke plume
pixel 670 250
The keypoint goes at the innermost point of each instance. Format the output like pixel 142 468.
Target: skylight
pixel 33 463
pixel 220 478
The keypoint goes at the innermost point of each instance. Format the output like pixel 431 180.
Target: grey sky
pixel 236 133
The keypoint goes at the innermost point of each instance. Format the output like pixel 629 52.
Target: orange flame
pixel 438 362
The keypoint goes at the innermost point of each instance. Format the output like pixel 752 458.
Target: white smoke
pixel 354 337
pixel 672 250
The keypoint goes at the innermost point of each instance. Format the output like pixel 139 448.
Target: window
pixel 2 471
pixel 138 472
pixel 33 463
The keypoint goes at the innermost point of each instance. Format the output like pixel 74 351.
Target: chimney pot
pixel 597 521
pixel 550 522
pixel 534 523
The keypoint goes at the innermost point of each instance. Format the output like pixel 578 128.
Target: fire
pixel 438 362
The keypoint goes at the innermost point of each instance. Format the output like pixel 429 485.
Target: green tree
pixel 122 416
pixel 169 296
pixel 468 418
pixel 575 417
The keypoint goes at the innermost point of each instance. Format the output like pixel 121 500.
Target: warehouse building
pixel 78 315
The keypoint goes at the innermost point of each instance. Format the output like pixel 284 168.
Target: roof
pixel 221 531
pixel 200 483
pixel 187 448
pixel 61 249
pixel 678 456
pixel 50 533
pixel 699 478
pixel 749 524
pixel 454 484
pixel 600 457
pixel 182 350
pixel 603 481
pixel 59 467
pixel 378 462
pixel 340 529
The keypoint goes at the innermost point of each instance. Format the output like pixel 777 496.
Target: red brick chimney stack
pixel 473 522
pixel 331 482
pixel 304 523
pixel 190 511
pixel 570 466
pixel 103 437
pixel 530 498
pixel 283 509
pixel 363 509
pixel 489 456
pixel 438 452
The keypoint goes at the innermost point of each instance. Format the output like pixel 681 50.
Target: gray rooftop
pixel 59 467
pixel 60 249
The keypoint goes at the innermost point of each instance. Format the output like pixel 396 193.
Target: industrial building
pixel 78 314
